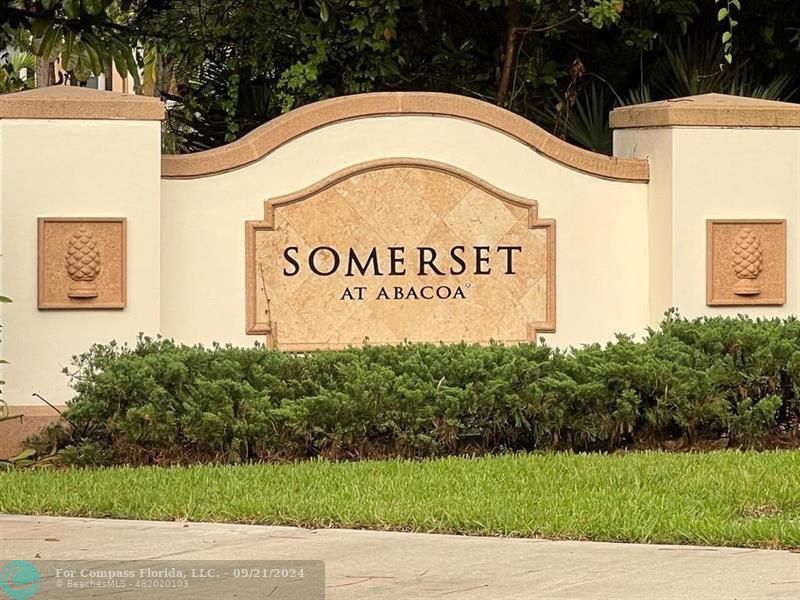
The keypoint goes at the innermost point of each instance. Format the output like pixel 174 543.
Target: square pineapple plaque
pixel 746 262
pixel 82 262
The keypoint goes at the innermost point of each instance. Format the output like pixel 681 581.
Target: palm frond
pixel 583 122
pixel 638 95
pixel 17 69
pixel 746 83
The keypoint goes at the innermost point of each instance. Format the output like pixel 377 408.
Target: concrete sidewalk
pixel 368 565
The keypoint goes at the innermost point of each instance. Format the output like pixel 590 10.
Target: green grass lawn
pixel 719 498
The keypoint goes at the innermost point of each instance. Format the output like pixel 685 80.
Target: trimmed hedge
pixel 716 381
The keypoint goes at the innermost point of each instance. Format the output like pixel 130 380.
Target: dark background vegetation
pixel 227 66
pixel 565 77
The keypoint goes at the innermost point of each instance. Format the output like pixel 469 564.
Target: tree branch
pixel 542 29
pixel 512 24
pixel 513 31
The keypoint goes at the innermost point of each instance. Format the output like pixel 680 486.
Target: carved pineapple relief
pixel 82 263
pixel 746 262
pixel 747 258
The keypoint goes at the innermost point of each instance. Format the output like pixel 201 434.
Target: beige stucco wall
pixel 626 250
pixel 655 144
pixel 700 173
pixel 73 168
pixel 601 257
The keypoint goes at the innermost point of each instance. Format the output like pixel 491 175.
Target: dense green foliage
pixel 696 382
pixel 713 498
pixel 238 63
pixel 227 66
pixel 88 36
pixel 12 65
pixel 230 65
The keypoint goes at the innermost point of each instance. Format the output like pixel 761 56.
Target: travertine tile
pixel 350 222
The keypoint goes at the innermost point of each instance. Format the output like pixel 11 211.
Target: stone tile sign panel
pixel 82 262
pixel 746 262
pixel 398 250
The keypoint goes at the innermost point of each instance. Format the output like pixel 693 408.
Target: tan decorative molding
pixel 82 262
pixel 72 102
pixel 408 203
pixel 746 262
pixel 272 135
pixel 707 110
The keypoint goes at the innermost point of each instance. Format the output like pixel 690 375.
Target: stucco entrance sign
pixel 399 250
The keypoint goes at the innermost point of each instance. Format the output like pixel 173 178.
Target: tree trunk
pixel 45 73
pixel 165 76
pixel 512 25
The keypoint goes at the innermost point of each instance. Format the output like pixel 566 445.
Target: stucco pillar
pixel 75 153
pixel 715 157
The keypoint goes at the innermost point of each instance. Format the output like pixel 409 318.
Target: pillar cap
pixel 72 102
pixel 707 110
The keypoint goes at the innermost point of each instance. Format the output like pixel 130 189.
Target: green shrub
pixel 692 382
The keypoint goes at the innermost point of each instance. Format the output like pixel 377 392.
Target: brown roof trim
pixel 266 138
pixel 72 102
pixel 707 110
